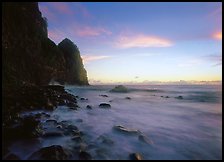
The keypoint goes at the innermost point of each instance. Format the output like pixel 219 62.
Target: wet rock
pixel 51 121
pixel 82 147
pixel 11 156
pixel 128 98
pixel 103 95
pixel 59 126
pixel 135 156
pixel 144 139
pixel 79 120
pixel 72 128
pixel 77 138
pixel 71 104
pixel 119 88
pixel 89 107
pixel 73 108
pixel 54 152
pixel 105 105
pixel 179 97
pixel 126 130
pixel 83 99
pixel 167 97
pixel 106 140
pixel 52 133
pixel 84 156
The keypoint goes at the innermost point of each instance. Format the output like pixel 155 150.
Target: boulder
pixel 104 105
pixel 54 152
pixel 119 88
pixel 84 156
pixel 135 156
pixel 126 130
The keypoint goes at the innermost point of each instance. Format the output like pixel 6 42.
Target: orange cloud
pixel 218 35
pixel 142 41
pixel 93 58
pixel 92 31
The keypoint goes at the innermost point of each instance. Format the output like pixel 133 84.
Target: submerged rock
pixel 179 97
pixel 83 99
pixel 119 88
pixel 135 156
pixel 54 152
pixel 84 156
pixel 89 107
pixel 105 105
pixel 103 95
pixel 144 139
pixel 126 130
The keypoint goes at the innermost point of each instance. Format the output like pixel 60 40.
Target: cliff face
pixel 28 55
pixel 75 72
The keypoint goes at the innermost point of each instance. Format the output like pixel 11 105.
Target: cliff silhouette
pixel 29 57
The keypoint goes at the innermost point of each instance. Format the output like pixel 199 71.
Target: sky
pixel 141 42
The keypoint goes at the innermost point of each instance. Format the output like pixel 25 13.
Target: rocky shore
pixel 26 115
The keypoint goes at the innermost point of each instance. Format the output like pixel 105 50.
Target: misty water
pixel 178 128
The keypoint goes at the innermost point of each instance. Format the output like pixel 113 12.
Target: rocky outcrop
pixel 29 57
pixel 75 72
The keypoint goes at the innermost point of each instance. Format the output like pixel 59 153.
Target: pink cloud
pixel 92 31
pixel 140 40
pixel 62 7
pixel 56 35
pixel 47 13
pixel 90 58
pixel 83 10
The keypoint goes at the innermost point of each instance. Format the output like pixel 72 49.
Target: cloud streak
pixel 141 40
pixel 92 31
pixel 91 58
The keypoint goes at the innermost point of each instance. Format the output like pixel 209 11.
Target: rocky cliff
pixel 29 56
pixel 73 62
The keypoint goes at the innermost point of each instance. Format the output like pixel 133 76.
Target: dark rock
pixel 77 138
pixel 79 120
pixel 52 134
pixel 128 98
pixel 167 97
pixel 103 95
pixel 135 156
pixel 84 156
pixel 71 104
pixel 144 139
pixel 83 99
pixel 54 152
pixel 106 140
pixel 11 156
pixel 126 130
pixel 89 107
pixel 105 105
pixel 51 121
pixel 179 97
pixel 119 88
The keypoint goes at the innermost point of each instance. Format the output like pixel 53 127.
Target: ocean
pixel 180 121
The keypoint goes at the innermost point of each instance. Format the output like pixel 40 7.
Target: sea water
pixel 188 127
